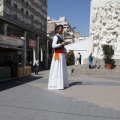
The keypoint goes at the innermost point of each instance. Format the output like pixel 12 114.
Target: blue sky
pixel 77 13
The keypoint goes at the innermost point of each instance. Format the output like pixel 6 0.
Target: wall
pixel 105 26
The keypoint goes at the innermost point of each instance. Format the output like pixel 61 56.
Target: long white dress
pixel 58 76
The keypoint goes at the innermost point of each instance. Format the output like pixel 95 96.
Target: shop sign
pixel 32 43
pixel 11 40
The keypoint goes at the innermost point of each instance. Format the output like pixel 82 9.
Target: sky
pixel 77 13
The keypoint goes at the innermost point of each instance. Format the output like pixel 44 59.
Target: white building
pixel 105 26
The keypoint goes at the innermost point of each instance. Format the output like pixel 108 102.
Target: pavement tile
pixel 96 110
pixel 101 118
pixel 117 114
pixel 110 113
pixel 72 117
pixel 79 117
pixel 103 112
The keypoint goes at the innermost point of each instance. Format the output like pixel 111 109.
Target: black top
pixel 60 40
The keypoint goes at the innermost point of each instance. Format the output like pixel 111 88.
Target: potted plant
pixel 108 53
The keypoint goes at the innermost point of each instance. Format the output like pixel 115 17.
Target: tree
pixel 70 59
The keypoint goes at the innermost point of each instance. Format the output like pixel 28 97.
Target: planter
pixel 20 72
pixel 24 71
pixel 108 66
pixel 108 53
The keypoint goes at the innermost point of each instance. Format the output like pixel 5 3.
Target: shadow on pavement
pixel 79 83
pixel 75 83
pixel 16 82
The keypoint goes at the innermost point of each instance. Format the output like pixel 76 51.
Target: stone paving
pixel 87 98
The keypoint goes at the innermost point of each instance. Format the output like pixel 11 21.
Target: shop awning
pixel 10 42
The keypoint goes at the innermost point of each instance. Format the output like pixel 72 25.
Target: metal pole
pixel 25 50
pixel 37 48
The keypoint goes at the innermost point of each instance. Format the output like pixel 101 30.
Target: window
pixel 27 3
pixel 8 1
pixel 31 26
pixel 15 6
pixel 32 16
pixel 7 11
pixel 15 16
pixel 22 10
pixel 21 19
pixel 26 12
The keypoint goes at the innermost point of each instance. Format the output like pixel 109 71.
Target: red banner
pixel 32 43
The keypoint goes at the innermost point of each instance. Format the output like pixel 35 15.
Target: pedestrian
pixel 11 65
pixel 97 63
pixel 58 76
pixel 80 58
pixel 36 66
pixel 77 59
pixel 90 61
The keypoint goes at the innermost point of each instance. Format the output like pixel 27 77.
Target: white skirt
pixel 58 76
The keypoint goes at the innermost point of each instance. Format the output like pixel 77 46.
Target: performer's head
pixel 59 29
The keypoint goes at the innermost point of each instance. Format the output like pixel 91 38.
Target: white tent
pixel 82 47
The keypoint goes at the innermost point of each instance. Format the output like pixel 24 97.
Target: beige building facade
pixel 68 33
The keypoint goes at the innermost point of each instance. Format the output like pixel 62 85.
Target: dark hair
pixel 57 27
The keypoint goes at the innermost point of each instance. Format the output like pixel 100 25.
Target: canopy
pixel 82 45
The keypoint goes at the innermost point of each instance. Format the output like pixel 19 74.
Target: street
pixel 87 98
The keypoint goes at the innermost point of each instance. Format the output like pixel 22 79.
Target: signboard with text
pixel 32 43
pixel 11 40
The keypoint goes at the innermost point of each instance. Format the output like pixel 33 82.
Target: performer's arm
pixel 54 44
pixel 68 42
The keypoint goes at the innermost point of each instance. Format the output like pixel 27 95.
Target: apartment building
pixel 23 30
pixel 29 14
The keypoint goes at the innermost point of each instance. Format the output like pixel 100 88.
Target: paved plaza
pixel 87 98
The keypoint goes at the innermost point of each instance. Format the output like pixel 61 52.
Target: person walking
pixel 36 66
pixel 58 76
pixel 97 63
pixel 77 59
pixel 90 61
pixel 80 58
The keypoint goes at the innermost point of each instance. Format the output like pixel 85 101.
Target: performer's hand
pixel 63 43
pixel 70 52
pixel 70 42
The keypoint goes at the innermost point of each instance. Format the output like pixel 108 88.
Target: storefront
pixel 9 47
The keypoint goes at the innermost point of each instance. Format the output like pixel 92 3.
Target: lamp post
pixel 24 54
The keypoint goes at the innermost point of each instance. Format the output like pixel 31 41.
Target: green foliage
pixel 108 53
pixel 70 59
